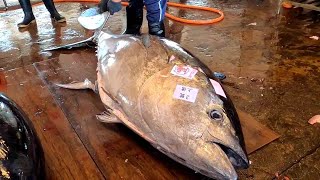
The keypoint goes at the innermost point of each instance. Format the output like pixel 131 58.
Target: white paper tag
pixel 217 88
pixel 185 93
pixel 184 71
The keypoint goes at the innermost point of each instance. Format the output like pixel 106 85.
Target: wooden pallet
pixel 76 145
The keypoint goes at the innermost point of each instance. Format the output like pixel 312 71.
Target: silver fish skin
pixel 135 81
pixel 189 116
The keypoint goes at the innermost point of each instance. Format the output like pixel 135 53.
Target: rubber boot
pixel 53 11
pixel 28 14
pixel 157 29
pixel 134 17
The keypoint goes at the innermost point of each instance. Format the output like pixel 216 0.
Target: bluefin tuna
pixel 171 99
pixel 21 154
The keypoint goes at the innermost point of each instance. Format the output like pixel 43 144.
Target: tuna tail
pixel 86 84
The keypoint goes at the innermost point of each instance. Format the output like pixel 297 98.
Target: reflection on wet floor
pixel 23 46
pixel 272 66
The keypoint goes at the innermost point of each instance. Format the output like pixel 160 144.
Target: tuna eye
pixel 216 115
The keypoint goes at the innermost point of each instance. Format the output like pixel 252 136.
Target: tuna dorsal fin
pixel 145 38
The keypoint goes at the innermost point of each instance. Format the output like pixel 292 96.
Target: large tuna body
pixel 21 155
pixel 167 96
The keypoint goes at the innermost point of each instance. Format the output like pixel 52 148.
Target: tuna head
pixel 196 130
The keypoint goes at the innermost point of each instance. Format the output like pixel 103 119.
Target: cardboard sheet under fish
pixel 255 134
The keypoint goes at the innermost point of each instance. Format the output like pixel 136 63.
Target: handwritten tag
pixel 184 71
pixel 217 88
pixel 185 93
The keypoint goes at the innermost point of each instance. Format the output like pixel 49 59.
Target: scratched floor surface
pixel 273 77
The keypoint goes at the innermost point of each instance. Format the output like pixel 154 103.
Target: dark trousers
pixel 155 9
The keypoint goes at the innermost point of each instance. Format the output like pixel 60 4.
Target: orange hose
pixel 170 4
pixel 195 22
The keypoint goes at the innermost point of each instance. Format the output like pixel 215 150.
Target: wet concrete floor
pixel 272 68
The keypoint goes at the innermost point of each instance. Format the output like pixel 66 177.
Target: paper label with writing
pixel 217 88
pixel 185 93
pixel 184 71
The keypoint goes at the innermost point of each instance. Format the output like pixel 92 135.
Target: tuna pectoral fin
pixel 115 109
pixel 107 117
pixel 86 84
